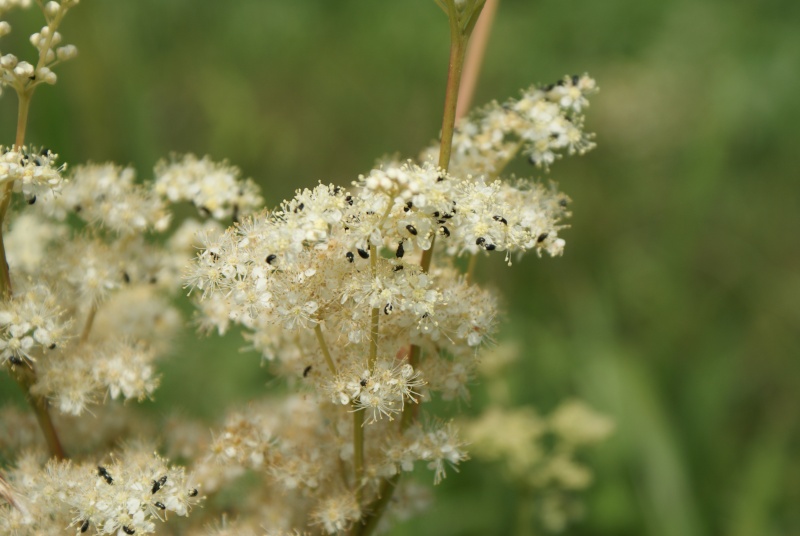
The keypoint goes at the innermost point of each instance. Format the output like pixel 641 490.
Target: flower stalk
pixel 462 23
pixel 324 347
pixel 25 377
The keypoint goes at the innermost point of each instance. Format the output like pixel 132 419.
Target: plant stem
pixel 25 377
pixel 358 415
pixel 373 332
pixel 22 122
pixel 458 47
pixel 358 451
pixel 87 327
pixel 24 98
pixel 377 507
pixel 459 39
pixel 324 347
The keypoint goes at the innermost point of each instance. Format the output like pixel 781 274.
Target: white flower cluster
pixel 544 123
pixel 125 496
pixel 381 391
pixel 289 442
pixel 23 76
pixel 438 444
pixel 107 195
pixel 32 172
pixel 31 324
pixel 337 288
pixel 332 290
pixel 537 453
pixel 214 188
pixel 99 314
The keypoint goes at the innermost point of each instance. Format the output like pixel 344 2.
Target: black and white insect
pixel 103 473
pixel 157 484
pixel 363 253
pixel 85 526
pixel 128 530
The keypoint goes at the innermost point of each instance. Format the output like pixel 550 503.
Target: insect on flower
pixel 158 483
pixel 102 472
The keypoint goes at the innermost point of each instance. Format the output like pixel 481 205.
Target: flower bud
pixel 9 61
pixel 23 68
pixel 51 9
pixel 47 75
pixel 67 52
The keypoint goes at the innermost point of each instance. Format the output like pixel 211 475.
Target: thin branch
pixel 324 347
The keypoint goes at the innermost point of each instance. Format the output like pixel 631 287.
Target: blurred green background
pixel 675 307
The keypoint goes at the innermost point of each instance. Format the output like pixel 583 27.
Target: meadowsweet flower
pixel 538 452
pixel 578 424
pixel 334 288
pixel 214 188
pixel 335 514
pixel 107 195
pixel 31 323
pixel 32 171
pixel 440 446
pixel 132 491
pixel 381 392
pixel 544 123
pixel 22 76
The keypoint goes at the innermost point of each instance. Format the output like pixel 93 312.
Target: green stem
pixel 377 507
pixel 373 332
pixel 26 377
pixel 459 38
pixel 24 98
pixel 358 451
pixel 358 415
pixel 324 347
pixel 87 327
pixel 458 48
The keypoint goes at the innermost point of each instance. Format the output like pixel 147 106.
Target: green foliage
pixel 674 308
